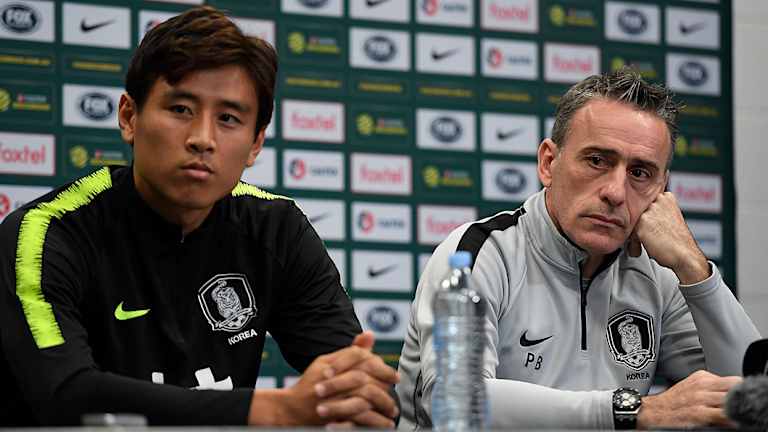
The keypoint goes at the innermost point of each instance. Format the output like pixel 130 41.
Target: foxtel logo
pixel 378 173
pixel 572 64
pixel 24 155
pixel 316 122
pixel 313 121
pixel 31 154
pixel 386 175
pixel 510 15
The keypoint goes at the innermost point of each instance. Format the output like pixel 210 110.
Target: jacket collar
pixel 554 247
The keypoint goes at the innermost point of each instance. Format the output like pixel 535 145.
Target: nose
pixel 202 135
pixel 614 190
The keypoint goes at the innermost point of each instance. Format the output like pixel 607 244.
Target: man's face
pixel 610 168
pixel 192 140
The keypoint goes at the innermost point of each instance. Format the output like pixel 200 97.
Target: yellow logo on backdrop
pixel 557 15
pixel 365 124
pixel 297 43
pixel 431 176
pixel 5 99
pixel 78 155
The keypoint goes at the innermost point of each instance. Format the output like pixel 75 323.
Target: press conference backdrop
pixel 395 120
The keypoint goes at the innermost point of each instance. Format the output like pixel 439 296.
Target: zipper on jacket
pixel 583 300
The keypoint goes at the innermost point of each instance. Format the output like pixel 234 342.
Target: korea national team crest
pixel 630 336
pixel 227 302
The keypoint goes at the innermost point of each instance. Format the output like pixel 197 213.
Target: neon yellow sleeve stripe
pixel 251 190
pixel 29 254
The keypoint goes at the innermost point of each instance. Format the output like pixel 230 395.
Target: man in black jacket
pixel 151 288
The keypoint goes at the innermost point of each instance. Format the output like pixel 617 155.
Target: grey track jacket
pixel 556 348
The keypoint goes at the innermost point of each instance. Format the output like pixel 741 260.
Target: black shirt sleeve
pixel 316 314
pixel 57 384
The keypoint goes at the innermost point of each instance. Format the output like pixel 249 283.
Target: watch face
pixel 626 400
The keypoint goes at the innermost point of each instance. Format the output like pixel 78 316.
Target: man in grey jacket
pixel 595 285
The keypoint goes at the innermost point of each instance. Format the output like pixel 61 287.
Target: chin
pixel 600 245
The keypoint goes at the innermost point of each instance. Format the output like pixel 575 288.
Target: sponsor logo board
pixel 510 133
pixel 262 29
pixel 313 44
pixel 394 125
pixel 90 106
pixel 380 49
pixel 381 10
pixel 84 155
pixel 264 170
pixel 445 54
pixel 503 58
pixel 709 236
pixel 694 74
pixel 149 19
pixel 102 26
pixel 388 319
pixel 27 20
pixel 436 222
pixel 339 258
pixel 309 169
pixel 313 121
pixel 27 154
pixel 329 8
pixel 566 63
pixel 573 17
pixel 378 222
pixel 509 181
pixel 445 129
pixel 382 271
pixel 26 102
pixel 459 13
pixel 14 196
pixel 695 145
pixel 510 15
pixel 697 192
pixel 632 22
pixel 693 28
pixel 381 174
pixel 448 177
pixel 326 216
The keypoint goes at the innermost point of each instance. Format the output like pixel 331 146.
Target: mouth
pixel 606 220
pixel 197 170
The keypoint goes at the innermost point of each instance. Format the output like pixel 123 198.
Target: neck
pixel 188 219
pixel 590 266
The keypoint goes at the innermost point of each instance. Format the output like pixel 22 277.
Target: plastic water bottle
pixel 458 396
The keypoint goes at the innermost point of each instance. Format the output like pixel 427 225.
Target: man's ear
pixel 547 156
pixel 126 118
pixel 256 147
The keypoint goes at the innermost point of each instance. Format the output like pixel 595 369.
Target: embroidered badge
pixel 631 339
pixel 227 302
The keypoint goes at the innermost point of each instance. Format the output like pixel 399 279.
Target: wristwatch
pixel 626 406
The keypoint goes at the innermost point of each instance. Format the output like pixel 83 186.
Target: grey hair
pixel 624 85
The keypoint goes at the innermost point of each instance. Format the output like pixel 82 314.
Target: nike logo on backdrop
pixel 502 136
pixel 687 29
pixel 88 28
pixel 122 314
pixel 374 3
pixel 437 55
pixel 531 342
pixel 374 273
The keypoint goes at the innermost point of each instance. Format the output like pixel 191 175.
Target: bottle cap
pixel 460 259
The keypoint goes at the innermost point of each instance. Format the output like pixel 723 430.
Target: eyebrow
pixel 616 155
pixel 182 94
